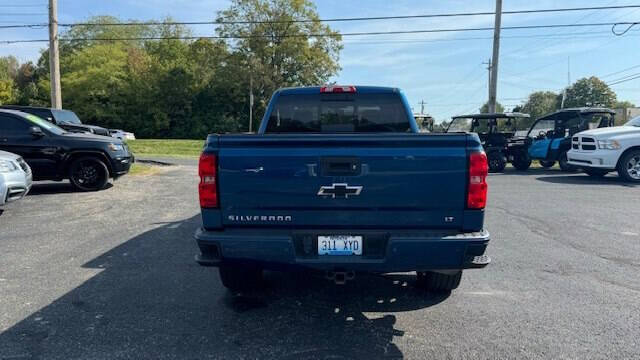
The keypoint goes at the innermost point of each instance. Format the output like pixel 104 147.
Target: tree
pixel 7 92
pixel 485 108
pixel 623 104
pixel 8 67
pixel 276 51
pixel 8 71
pixel 169 87
pixel 539 103
pixel 589 92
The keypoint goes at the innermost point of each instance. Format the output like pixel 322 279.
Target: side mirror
pixel 36 132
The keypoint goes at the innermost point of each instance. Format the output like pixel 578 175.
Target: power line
pixel 609 42
pixel 22 26
pixel 624 77
pixel 620 33
pixel 424 31
pixel 625 80
pixel 370 18
pixel 22 14
pixel 620 71
pixel 152 23
pixel 465 80
pixel 529 47
pixel 556 35
pixel 22 6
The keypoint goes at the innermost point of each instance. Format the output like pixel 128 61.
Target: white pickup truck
pixel 600 151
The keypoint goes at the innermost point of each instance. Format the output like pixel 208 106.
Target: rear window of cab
pixel 338 113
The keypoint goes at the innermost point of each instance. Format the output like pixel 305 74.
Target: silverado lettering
pixel 259 218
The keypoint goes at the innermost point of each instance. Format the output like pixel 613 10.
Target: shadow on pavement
pixel 64 187
pixel 584 179
pixel 151 300
pixel 529 172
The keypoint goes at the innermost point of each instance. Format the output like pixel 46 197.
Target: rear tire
pixel 563 162
pixel 547 164
pixel 521 161
pixel 88 174
pixel 629 166
pixel 497 161
pixel 437 282
pixel 598 173
pixel 240 277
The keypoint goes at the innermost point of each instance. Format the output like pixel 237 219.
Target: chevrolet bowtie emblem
pixel 339 190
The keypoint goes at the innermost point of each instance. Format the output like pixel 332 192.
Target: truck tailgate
pixel 335 181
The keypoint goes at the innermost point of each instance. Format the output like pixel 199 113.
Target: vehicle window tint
pixel 507 125
pixel 337 117
pixel 36 121
pixel 460 125
pixel 542 126
pixel 600 120
pixel 11 125
pixel 571 124
pixel 41 113
pixel 633 122
pixel 481 126
pixel 338 113
pixel 66 116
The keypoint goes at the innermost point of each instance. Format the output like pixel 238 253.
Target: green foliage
pixel 179 148
pixel 7 93
pixel 584 92
pixel 590 92
pixel 174 88
pixel 8 71
pixel 485 108
pixel 280 53
pixel 539 103
pixel 623 104
pixel 8 67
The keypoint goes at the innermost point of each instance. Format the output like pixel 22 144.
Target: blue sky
pixel 443 69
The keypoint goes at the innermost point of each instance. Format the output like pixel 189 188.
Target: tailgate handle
pixel 341 166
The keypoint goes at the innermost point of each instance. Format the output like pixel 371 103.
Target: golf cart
pixel 495 131
pixel 425 122
pixel 549 137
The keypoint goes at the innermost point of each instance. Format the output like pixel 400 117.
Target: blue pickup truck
pixel 338 179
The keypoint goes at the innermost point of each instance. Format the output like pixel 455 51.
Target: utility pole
pixel 564 92
pixel 568 70
pixel 488 63
pixel 422 104
pixel 493 81
pixel 54 56
pixel 251 101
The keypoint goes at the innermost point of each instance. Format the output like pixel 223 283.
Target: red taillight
pixel 208 187
pixel 477 190
pixel 338 89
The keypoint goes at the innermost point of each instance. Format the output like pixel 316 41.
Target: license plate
pixel 339 245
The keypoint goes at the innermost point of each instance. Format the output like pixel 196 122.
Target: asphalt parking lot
pixel 111 275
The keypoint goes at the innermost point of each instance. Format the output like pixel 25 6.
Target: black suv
pixel 87 160
pixel 65 119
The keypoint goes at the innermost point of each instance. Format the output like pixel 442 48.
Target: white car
pixel 121 134
pixel 600 151
pixel 15 178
